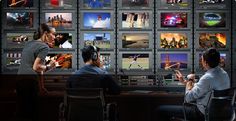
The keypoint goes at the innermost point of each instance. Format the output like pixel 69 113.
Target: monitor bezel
pixel 7 27
pixel 81 5
pixel 150 5
pixel 227 34
pixel 161 5
pixel 227 22
pixel 73 26
pixel 189 37
pixel 112 41
pixel 81 14
pixel 150 38
pixel 135 11
pixel 44 6
pixel 163 71
pixel 189 20
pixel 148 71
pixel 209 6
pixel 197 61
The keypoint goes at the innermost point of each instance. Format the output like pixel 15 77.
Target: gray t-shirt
pixel 31 51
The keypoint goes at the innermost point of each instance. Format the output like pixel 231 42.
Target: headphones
pixel 94 54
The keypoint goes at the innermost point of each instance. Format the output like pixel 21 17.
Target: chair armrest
pixel 111 111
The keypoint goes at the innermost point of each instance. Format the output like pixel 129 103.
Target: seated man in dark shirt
pixel 91 75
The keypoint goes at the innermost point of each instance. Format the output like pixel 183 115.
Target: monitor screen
pixel 175 3
pixel 63 40
pixel 18 40
pixel 13 59
pixel 20 3
pixel 208 40
pixel 211 2
pixel 63 60
pixel 59 20
pixel 97 20
pixel 20 19
pixel 174 20
pixel 221 64
pixel 212 19
pixel 106 61
pixel 135 3
pixel 174 61
pixel 59 3
pixel 135 61
pixel 96 3
pixel 135 20
pixel 101 40
pixel 173 40
pixel 135 40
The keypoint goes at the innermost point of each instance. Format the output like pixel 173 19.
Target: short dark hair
pixel 87 52
pixel 43 28
pixel 212 57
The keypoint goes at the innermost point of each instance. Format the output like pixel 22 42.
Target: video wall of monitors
pixel 213 29
pixel 137 37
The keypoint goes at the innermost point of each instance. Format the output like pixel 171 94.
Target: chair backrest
pixel 220 106
pixel 86 104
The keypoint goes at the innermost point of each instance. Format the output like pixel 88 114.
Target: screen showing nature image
pixel 135 40
pixel 173 40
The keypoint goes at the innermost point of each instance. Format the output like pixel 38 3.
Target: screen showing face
pixel 174 61
pixel 63 60
pixel 101 40
pixel 135 40
pixel 13 59
pixel 216 40
pixel 96 3
pixel 20 20
pixel 19 3
pixel 174 20
pixel 207 20
pixel 135 3
pixel 97 20
pixel 106 61
pixel 59 4
pixel 59 20
pixel 18 40
pixel 135 61
pixel 221 64
pixel 63 40
pixel 173 40
pixel 175 3
pixel 135 20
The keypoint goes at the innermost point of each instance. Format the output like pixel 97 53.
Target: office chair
pixel 86 104
pixel 220 106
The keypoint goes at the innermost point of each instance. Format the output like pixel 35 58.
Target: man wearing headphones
pixel 91 75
